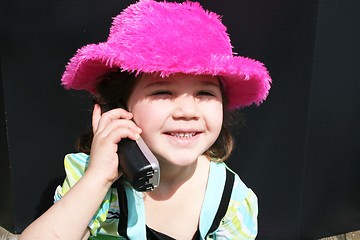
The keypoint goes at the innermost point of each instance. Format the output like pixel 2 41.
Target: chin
pixel 183 161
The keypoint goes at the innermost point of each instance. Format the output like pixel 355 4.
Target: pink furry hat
pixel 167 38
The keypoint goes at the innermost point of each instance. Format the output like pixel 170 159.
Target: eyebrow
pixel 166 83
pixel 157 83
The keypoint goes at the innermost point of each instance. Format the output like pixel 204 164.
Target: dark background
pixel 299 151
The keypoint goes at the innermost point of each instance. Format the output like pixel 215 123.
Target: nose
pixel 186 108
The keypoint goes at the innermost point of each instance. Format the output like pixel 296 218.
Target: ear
pixel 96 117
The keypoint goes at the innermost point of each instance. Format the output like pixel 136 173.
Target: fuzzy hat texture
pixel 168 38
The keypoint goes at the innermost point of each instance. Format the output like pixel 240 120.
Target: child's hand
pixel 109 128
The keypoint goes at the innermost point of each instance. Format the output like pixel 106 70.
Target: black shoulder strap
pixel 123 219
pixel 225 199
pixel 224 203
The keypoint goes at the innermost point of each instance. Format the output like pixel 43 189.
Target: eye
pixel 205 93
pixel 161 92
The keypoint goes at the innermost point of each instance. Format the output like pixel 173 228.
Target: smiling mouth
pixel 182 134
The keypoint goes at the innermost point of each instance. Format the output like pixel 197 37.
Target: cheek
pixel 216 124
pixel 146 115
pixel 214 115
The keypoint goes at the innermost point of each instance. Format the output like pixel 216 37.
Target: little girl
pixel 169 73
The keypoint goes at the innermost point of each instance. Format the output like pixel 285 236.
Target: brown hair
pixel 114 91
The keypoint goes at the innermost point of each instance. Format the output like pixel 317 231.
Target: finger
pixel 122 133
pixel 118 113
pixel 115 114
pixel 124 128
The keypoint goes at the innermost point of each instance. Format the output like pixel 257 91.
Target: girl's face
pixel 180 115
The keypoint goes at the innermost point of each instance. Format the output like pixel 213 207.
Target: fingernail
pixel 137 136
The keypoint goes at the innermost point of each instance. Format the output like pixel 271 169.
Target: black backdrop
pixel 299 151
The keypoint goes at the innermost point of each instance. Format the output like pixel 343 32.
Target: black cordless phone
pixel 138 164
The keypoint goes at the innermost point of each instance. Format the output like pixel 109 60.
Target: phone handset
pixel 138 164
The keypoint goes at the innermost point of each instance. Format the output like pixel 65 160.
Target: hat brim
pixel 246 81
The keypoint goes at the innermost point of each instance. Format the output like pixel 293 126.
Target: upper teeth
pixel 183 135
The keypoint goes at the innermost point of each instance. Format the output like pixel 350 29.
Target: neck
pixel 174 177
